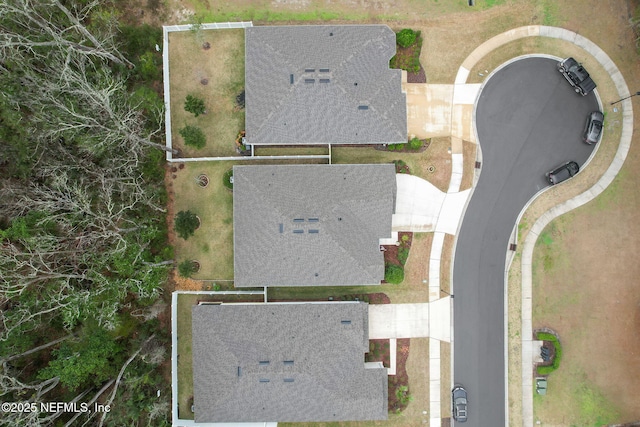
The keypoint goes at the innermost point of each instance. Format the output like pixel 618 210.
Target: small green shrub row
pixel 394 274
pixel 546 370
pixel 395 147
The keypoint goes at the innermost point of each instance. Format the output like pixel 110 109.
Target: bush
pixel 148 69
pixel 403 254
pixel 186 223
pixel 194 105
pixel 406 37
pixel 546 370
pixel 393 274
pixel 415 144
pixel 193 136
pixel 226 179
pixel 186 268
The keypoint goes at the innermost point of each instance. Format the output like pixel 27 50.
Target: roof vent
pixel 363 107
pixel 264 380
pixel 324 70
pixel 314 219
pixel 288 380
pixel 313 231
pixel 281 227
pixel 288 362
pixel 324 80
pixel 345 322
pixel 263 362
pixel 298 219
pixel 309 70
pixel 309 80
pixel 298 231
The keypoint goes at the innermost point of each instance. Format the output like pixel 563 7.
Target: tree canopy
pixel 83 237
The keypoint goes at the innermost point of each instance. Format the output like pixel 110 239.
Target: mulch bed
pixel 391 252
pixel 379 352
pixel 400 378
pixel 419 77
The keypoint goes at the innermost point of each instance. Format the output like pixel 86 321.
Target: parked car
pixel 563 173
pixel 459 399
pixel 577 76
pixel 593 130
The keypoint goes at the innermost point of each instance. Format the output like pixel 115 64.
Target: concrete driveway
pixel 411 320
pixel 422 207
pixel 440 110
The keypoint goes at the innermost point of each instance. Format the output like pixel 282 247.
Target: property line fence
pixel 165 70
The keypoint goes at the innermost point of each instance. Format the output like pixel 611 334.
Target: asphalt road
pixel 529 121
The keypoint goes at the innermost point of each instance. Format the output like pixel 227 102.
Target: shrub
pixel 394 274
pixel 148 68
pixel 406 37
pixel 546 370
pixel 403 254
pixel 193 136
pixel 403 395
pixel 194 105
pixel 226 179
pixel 415 144
pixel 186 268
pixel 186 223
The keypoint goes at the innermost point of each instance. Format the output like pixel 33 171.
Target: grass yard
pixel 269 12
pixel 291 151
pixel 222 67
pixel 595 312
pixel 212 243
pixel 437 155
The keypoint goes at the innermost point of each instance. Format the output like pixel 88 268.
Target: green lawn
pixel 212 243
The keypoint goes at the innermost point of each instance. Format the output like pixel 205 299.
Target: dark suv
pixel 593 130
pixel 459 400
pixel 563 173
pixel 577 76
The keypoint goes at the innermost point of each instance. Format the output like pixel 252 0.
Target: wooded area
pixel 83 235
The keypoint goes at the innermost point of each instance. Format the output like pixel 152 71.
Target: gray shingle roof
pixel 311 225
pixel 323 84
pixel 284 362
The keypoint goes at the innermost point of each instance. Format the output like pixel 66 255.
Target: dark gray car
pixel 563 173
pixel 577 76
pixel 593 130
pixel 459 400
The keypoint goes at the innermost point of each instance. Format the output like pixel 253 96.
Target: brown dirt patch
pixel 445 265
